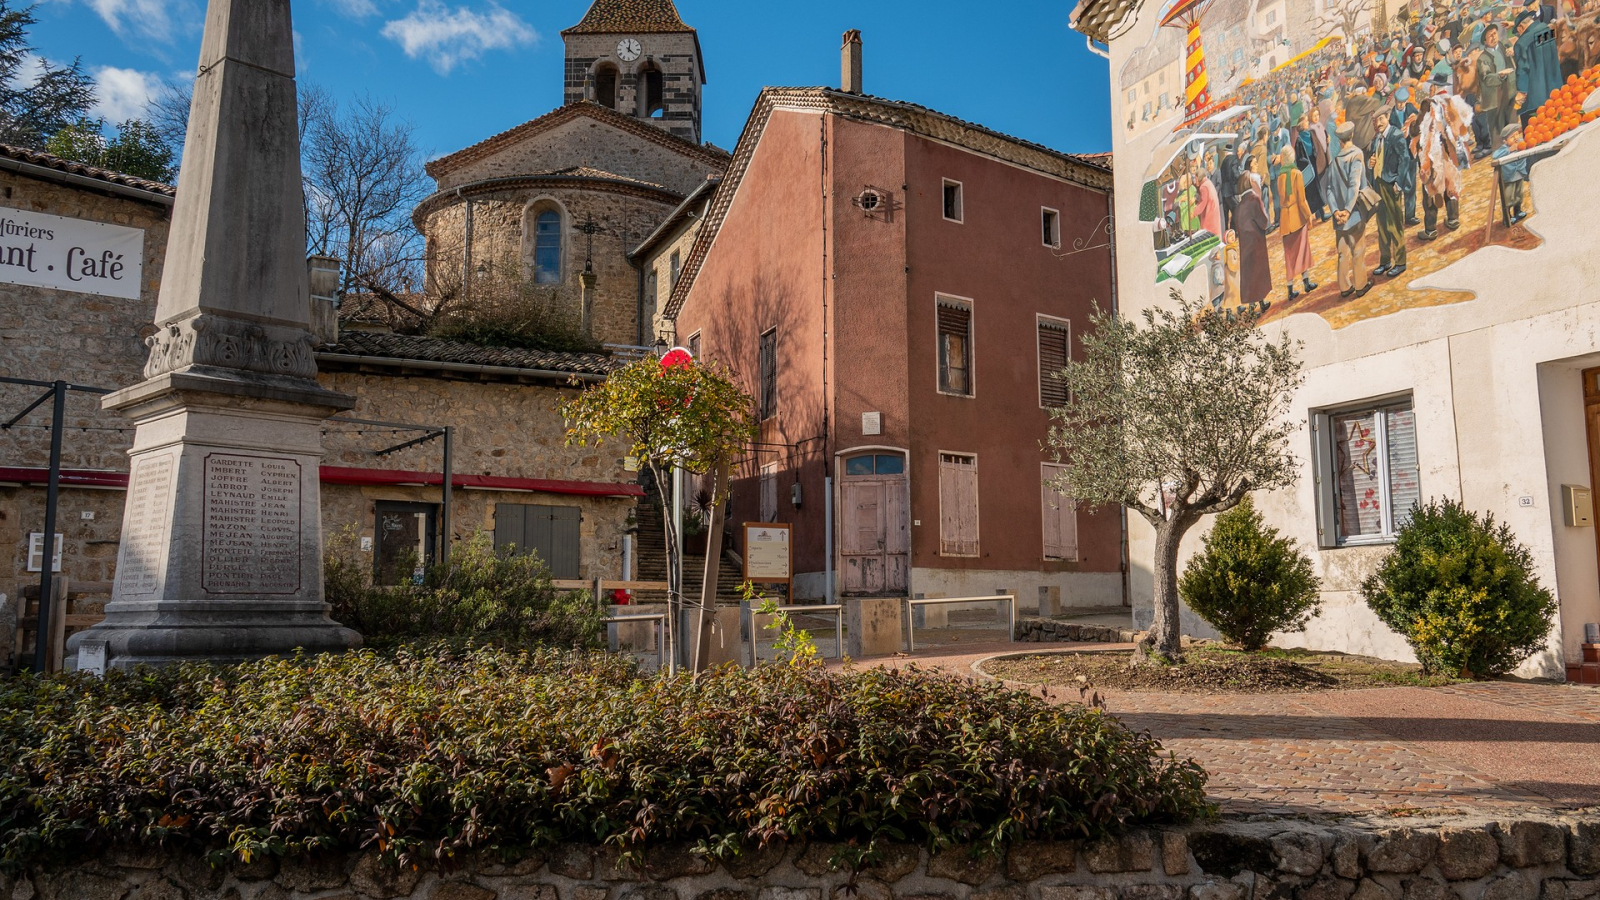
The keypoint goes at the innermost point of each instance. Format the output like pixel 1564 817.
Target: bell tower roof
pixel 631 16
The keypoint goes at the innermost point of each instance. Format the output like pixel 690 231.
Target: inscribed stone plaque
pixel 144 527
pixel 252 525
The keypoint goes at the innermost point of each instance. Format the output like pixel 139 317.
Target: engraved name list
pixel 252 525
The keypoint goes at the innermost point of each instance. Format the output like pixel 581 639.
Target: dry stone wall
pixel 1549 859
pixel 1049 630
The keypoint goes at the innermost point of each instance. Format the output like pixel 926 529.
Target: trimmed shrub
pixel 430 757
pixel 483 595
pixel 1461 591
pixel 1248 582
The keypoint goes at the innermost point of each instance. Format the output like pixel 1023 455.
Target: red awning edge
pixel 81 478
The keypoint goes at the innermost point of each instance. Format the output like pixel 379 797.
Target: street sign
pixel 768 553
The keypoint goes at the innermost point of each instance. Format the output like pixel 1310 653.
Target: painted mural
pixel 1324 156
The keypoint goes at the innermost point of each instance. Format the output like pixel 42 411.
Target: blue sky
pixel 461 70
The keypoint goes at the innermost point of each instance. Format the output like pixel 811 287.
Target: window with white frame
pixel 676 264
pixel 1060 514
pixel 1368 472
pixel 958 504
pixel 953 201
pixel 1050 225
pixel 955 346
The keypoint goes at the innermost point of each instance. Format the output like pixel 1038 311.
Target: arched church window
pixel 547 248
pixel 605 87
pixel 652 94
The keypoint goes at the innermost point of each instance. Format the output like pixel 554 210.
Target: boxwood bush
pixel 430 755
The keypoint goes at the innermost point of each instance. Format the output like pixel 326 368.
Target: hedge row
pixel 428 756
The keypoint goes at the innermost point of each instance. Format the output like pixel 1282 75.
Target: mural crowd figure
pixel 1422 104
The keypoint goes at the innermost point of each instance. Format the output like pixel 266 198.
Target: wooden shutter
pixel 1405 486
pixel 769 374
pixel 1054 341
pixel 550 532
pixel 958 505
pixel 955 347
pixel 1060 514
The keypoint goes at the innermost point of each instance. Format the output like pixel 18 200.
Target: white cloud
pixel 124 93
pixel 357 8
pixel 446 36
pixel 150 18
pixel 27 71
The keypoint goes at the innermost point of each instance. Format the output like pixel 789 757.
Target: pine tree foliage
pixel 1250 582
pixel 37 97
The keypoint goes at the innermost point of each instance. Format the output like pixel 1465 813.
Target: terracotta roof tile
pixel 641 16
pixel 495 143
pixel 51 161
pixel 383 345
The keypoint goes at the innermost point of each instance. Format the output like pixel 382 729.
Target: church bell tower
pixel 640 59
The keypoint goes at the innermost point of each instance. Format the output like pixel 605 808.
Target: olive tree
pixel 1175 416
pixel 672 413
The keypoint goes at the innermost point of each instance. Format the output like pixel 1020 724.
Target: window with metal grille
pixel 1368 472
pixel 955 346
pixel 958 504
pixel 1055 339
pixel 768 401
pixel 547 248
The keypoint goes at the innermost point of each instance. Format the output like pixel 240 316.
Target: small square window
pixel 1050 220
pixel 953 206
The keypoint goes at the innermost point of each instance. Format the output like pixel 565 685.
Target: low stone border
pixel 1556 858
pixel 1049 630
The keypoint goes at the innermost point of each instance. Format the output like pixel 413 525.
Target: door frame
pixel 430 524
pixel 837 548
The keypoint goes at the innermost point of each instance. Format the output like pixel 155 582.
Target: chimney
pixel 850 62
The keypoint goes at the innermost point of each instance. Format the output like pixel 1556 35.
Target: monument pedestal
pixel 221 555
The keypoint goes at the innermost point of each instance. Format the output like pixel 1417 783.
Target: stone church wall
pixel 584 141
pixel 625 220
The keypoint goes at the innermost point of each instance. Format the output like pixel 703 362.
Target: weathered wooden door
pixel 875 536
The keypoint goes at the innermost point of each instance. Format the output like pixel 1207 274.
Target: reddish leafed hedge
pixel 430 755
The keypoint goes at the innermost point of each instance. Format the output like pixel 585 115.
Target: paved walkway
pixel 1487 748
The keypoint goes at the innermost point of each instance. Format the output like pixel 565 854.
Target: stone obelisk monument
pixel 221 552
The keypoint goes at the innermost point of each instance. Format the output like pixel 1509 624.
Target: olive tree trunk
pixel 1163 640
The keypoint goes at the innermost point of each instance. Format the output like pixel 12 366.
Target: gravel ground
pixel 1212 671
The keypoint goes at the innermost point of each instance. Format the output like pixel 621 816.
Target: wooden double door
pixel 875 532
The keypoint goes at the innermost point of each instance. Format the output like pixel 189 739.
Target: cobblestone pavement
pixel 1478 748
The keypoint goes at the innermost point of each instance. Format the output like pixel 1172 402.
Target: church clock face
pixel 628 49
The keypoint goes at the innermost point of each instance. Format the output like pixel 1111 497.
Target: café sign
pixel 45 251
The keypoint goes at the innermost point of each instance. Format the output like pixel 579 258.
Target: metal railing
pixel 661 632
pixel 1009 600
pixel 838 624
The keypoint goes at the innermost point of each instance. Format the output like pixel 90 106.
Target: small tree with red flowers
pixel 672 412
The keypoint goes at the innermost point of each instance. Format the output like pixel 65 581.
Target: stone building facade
pixel 510 458
pixel 95 341
pixel 558 202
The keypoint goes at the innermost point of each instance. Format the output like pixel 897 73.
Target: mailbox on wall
pixel 1577 502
